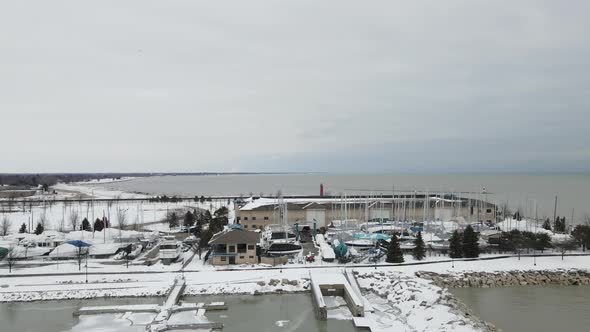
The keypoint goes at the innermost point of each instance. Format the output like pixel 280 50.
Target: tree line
pixel 201 223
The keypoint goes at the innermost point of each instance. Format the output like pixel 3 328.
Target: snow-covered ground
pixel 57 215
pixel 400 299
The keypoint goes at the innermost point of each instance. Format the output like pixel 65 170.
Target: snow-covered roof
pixel 235 236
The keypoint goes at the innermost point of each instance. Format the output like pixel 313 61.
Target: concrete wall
pixel 274 260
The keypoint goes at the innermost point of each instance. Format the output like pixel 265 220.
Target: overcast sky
pixel 334 86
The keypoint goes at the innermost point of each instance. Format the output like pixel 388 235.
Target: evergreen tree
pixel 86 225
pixel 205 238
pixel 221 212
pixel 23 228
pixel 543 241
pixel 455 249
pixel 39 230
pixel 172 220
pixel 189 219
pixel 470 243
pixel 207 217
pixel 582 236
pixel 98 225
pixel 556 224
pixel 198 229
pixel 394 253
pixel 562 225
pixel 419 251
pixel 547 224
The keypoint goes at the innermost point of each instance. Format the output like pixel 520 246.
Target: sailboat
pixel 278 239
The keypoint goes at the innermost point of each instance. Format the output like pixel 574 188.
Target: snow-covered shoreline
pixel 403 296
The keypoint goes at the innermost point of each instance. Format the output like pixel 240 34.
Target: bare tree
pixel 62 225
pixel 122 220
pixel 42 219
pixel 74 219
pixel 4 226
pixel 11 258
pixel 505 210
pixel 136 223
pixel 565 245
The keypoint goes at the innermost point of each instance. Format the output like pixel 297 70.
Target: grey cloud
pixel 294 86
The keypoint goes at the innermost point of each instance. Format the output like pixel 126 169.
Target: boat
pixel 360 243
pixel 283 249
pixel 279 240
pixel 328 254
pixel 170 249
pixel 340 249
pixel 440 245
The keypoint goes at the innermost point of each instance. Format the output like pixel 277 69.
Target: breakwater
pixel 572 277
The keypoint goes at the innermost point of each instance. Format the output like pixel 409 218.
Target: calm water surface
pixel 53 316
pixel 266 313
pixel 289 312
pixel 520 190
pixel 531 309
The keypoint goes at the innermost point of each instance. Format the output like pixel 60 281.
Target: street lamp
pixel 87 265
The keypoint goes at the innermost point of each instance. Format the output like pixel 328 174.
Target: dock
pixel 120 309
pixel 169 316
pixel 334 284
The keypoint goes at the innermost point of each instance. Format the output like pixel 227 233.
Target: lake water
pixel 520 190
pixel 53 316
pixel 289 312
pixel 531 309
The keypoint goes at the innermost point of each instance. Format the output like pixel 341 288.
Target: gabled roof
pixel 314 205
pixel 235 236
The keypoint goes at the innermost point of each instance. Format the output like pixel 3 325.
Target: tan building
pixel 234 247
pixel 323 211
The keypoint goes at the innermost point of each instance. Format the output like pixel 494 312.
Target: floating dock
pixel 170 316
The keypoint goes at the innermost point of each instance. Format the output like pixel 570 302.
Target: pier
pixel 334 284
pixel 169 316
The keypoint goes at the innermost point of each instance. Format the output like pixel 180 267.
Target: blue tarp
pixel 78 243
pixel 374 236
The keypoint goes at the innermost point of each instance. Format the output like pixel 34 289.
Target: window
pixel 241 247
pixel 253 218
pixel 245 218
pixel 265 218
pixel 253 226
pixel 231 249
pixel 241 257
pixel 250 247
pixel 489 210
pixel 245 226
pixel 251 257
pixel 223 259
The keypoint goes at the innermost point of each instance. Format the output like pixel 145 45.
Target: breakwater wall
pixel 572 277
